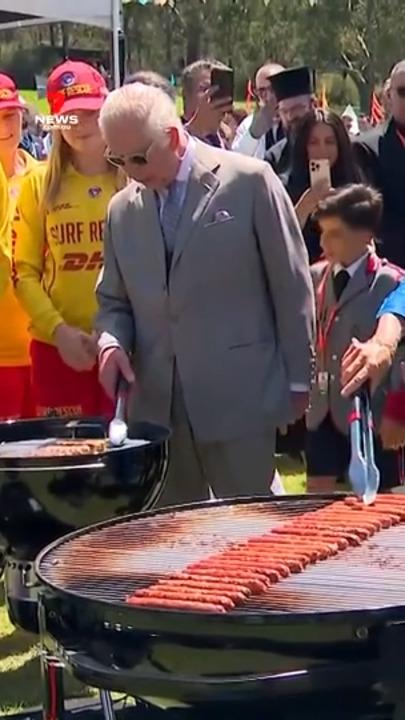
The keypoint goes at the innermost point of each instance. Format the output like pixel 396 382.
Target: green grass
pixel 31 97
pixel 20 682
pixel 41 105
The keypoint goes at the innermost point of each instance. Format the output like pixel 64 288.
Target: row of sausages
pixel 223 581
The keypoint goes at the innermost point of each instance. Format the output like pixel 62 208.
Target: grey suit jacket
pixel 356 317
pixel 237 311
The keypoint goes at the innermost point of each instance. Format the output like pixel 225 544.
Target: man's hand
pixel 392 434
pixel 363 362
pixel 76 348
pixel 299 403
pixel 262 121
pixel 113 363
pixel 209 114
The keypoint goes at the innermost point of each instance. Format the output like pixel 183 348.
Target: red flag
pixel 377 114
pixel 249 95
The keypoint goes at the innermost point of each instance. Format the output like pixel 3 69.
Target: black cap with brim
pixel 293 83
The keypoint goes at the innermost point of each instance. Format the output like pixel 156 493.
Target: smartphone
pixel 319 172
pixel 223 80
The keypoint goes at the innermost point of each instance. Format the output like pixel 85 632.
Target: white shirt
pixel 351 269
pixel 245 144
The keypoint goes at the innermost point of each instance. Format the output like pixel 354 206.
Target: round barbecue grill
pixel 43 498
pixel 334 625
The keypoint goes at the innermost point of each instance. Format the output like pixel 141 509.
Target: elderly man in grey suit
pixel 206 287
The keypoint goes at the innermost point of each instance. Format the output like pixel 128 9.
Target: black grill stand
pixel 107 705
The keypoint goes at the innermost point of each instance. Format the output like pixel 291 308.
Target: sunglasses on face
pixel 122 160
pixel 400 92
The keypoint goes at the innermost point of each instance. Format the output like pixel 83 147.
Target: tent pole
pixel 116 28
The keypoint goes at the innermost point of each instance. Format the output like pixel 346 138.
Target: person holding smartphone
pixel 207 97
pixel 262 129
pixel 322 158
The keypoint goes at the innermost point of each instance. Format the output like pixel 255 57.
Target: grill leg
pixel 52 682
pixel 107 705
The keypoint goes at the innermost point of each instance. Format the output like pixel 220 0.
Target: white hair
pixel 145 104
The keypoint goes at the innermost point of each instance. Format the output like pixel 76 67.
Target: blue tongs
pixel 364 474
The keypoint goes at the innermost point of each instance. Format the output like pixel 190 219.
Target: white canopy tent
pixel 101 13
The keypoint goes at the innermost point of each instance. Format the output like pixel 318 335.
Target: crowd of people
pixel 232 279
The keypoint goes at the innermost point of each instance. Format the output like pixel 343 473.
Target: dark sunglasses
pixel 120 161
pixel 400 91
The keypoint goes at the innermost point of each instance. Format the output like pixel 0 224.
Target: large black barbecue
pixel 43 498
pixel 331 637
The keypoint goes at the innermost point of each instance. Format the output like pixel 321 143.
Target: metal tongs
pixel 118 428
pixel 364 474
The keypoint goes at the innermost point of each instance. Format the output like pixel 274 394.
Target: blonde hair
pixel 150 106
pixel 58 160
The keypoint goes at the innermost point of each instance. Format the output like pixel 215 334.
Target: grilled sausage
pixel 279 562
pixel 186 594
pixel 331 547
pixel 332 531
pixel 282 552
pixel 170 604
pixel 239 556
pixel 235 592
pixel 226 565
pixel 342 518
pixel 208 580
pixel 254 581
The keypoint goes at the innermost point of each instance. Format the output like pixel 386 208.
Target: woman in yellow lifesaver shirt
pixel 4 230
pixel 15 371
pixel 58 252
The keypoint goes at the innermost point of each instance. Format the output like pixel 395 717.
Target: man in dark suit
pixel 294 91
pixel 381 156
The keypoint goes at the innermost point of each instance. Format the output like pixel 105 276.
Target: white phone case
pixel 319 171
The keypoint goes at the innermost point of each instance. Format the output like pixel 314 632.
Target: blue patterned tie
pixel 170 215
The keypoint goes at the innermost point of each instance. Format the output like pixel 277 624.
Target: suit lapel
pixel 149 224
pixel 201 187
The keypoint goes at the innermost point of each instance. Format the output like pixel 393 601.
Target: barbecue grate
pixel 108 562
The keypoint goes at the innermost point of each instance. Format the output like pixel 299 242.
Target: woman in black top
pixel 320 136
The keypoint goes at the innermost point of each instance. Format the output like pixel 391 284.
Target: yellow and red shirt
pixel 14 336
pixel 4 230
pixel 57 257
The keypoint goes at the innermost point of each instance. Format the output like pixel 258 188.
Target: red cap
pixel 9 95
pixel 75 85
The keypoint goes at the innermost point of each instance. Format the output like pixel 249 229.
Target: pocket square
pixel 219 217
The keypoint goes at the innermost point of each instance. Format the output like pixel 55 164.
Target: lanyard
pixel 325 318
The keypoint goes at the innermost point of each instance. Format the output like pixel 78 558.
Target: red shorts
pixel 59 390
pixel 16 393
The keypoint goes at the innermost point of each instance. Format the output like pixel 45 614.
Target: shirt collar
pixel 186 162
pixel 351 269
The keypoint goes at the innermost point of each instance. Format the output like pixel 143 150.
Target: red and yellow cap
pixel 75 85
pixel 9 95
